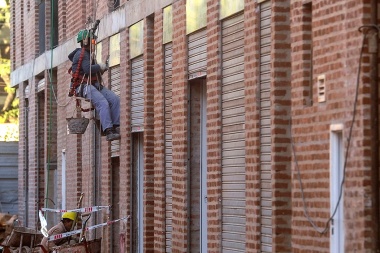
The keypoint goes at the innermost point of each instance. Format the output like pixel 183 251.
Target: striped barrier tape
pixel 78 210
pixel 43 222
pixel 78 231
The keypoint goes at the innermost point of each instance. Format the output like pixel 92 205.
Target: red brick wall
pixel 40 149
pixel 159 137
pixel 48 24
pixel 101 8
pixel 36 153
pixel 194 171
pixel 30 37
pixel 76 16
pixel 251 58
pixel 179 134
pixel 18 34
pixel 336 48
pixel 213 127
pixel 23 159
pixel 125 142
pixel 280 111
pixel 62 21
pixel 148 144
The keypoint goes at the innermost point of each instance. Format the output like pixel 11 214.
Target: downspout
pixel 375 128
pixel 188 166
pixel 94 162
pixel 38 159
pixel 26 159
pixel 63 206
pixel 131 180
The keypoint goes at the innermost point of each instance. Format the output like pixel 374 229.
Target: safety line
pixel 78 231
pixel 78 210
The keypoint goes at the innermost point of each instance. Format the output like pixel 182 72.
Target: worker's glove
pixel 103 67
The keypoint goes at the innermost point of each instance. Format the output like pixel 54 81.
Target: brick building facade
pixel 244 123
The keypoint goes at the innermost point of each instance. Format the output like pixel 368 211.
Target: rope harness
pixel 78 79
pixel 75 80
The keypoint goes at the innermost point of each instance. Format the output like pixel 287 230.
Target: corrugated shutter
pixel 168 145
pixel 233 136
pixel 137 95
pixel 41 85
pixel 197 59
pixel 115 87
pixel 8 177
pixel 265 127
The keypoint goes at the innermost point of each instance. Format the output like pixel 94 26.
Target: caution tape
pixel 78 210
pixel 43 222
pixel 78 231
pixel 64 235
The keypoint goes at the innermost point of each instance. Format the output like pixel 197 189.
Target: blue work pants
pixel 106 103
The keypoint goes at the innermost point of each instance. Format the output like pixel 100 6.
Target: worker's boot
pixel 117 128
pixel 112 135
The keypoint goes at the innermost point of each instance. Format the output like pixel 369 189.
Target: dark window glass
pixel 55 23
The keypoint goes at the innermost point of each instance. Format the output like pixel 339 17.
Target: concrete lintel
pixel 128 14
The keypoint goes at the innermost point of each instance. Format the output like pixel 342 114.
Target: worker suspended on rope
pixel 65 225
pixel 86 83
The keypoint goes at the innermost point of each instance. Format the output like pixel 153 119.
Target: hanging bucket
pixel 77 125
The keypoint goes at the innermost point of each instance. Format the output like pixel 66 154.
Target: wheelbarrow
pixel 22 240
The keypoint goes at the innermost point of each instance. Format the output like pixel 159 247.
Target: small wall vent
pixel 321 89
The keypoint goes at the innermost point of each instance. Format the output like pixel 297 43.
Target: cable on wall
pixel 305 209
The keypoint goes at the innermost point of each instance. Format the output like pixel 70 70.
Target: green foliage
pixel 11 115
pixel 9 90
pixel 10 112
pixel 5 67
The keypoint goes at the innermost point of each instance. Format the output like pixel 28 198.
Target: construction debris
pixel 6 225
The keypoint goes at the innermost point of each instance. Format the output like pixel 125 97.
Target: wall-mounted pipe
pixel 63 192
pixel 188 166
pixel 37 156
pixel 26 160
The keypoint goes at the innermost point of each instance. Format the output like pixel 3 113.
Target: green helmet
pixel 84 34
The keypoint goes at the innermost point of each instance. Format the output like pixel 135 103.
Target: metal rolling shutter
pixel 8 177
pixel 233 136
pixel 41 85
pixel 197 60
pixel 197 67
pixel 265 128
pixel 137 95
pixel 168 145
pixel 115 87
